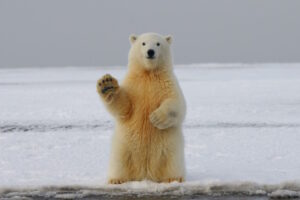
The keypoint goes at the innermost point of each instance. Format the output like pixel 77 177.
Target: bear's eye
pixel 143 43
pixel 158 44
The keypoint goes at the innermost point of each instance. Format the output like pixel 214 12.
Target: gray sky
pixel 91 32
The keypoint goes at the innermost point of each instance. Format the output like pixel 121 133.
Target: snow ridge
pixel 148 188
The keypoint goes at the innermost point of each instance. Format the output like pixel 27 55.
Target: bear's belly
pixel 144 102
pixel 147 147
pixel 139 123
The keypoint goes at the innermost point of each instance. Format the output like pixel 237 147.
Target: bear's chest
pixel 146 96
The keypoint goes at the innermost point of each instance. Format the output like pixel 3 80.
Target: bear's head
pixel 150 51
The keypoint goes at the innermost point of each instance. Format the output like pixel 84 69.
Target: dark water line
pixel 7 128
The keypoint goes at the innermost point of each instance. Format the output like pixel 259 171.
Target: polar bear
pixel 149 109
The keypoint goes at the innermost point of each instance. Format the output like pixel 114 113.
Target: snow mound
pixel 279 194
pixel 148 188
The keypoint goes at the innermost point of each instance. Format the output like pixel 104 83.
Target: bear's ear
pixel 132 38
pixel 169 38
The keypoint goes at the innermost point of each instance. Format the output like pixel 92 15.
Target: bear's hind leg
pixel 122 168
pixel 119 169
pixel 173 171
pixel 120 165
pixel 170 165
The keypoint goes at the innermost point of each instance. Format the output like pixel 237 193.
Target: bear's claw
pixel 106 88
pixel 116 181
pixel 178 179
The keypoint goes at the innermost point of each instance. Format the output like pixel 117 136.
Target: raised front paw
pixel 107 86
pixel 161 119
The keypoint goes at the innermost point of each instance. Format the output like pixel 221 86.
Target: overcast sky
pixel 95 33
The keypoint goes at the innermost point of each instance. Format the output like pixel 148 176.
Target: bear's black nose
pixel 150 53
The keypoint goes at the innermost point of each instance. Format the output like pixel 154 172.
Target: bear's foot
pixel 116 181
pixel 178 179
pixel 107 86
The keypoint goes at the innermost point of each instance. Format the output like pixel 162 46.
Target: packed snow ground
pixel 242 129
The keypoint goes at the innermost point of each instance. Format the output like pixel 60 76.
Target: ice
pixel 242 130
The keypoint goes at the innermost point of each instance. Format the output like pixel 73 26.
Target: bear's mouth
pixel 150 57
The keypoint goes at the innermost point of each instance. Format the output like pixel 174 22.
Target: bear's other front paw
pixel 107 86
pixel 161 120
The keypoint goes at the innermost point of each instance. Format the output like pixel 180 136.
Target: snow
pixel 242 130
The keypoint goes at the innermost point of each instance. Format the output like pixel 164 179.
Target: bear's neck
pixel 149 73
